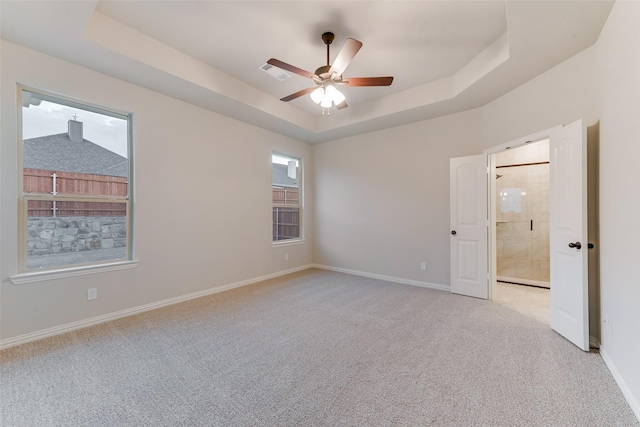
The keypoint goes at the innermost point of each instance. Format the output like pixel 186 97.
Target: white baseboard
pixel 622 384
pixel 387 278
pixel 57 330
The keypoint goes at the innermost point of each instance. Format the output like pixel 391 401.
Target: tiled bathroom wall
pixel 522 240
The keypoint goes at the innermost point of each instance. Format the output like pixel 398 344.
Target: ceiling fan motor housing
pixel 327 37
pixel 323 72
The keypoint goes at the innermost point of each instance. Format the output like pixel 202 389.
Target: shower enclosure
pixel 522 239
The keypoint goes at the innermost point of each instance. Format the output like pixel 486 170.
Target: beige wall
pixel 618 59
pixel 184 155
pixel 382 198
pixel 393 183
pixel 559 96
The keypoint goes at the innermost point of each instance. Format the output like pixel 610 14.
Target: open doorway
pixel 522 229
pixel 572 227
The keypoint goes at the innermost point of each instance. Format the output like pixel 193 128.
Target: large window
pixel 287 197
pixel 75 188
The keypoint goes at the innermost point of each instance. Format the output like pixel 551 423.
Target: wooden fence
pixel 286 223
pixel 286 196
pixel 71 183
pixel 64 208
pixel 41 181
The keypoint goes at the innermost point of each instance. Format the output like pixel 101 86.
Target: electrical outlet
pixel 286 257
pixel 92 293
pixel 423 266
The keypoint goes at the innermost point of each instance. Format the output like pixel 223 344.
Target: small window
pixel 75 186
pixel 286 196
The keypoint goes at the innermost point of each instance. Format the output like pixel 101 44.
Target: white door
pixel 468 221
pixel 568 240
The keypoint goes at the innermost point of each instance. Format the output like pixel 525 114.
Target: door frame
pixel 491 195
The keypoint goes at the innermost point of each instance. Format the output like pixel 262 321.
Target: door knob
pixel 453 232
pixel 576 245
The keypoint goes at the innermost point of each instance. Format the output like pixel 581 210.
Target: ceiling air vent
pixel 275 72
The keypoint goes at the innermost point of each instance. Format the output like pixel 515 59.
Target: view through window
pixel 75 183
pixel 286 196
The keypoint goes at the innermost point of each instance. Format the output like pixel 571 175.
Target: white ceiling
pixel 445 56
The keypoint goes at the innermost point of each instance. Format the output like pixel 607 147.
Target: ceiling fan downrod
pixel 327 38
pixel 323 71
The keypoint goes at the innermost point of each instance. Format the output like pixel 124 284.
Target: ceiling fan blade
pixel 342 105
pixel 288 67
pixel 368 81
pixel 298 94
pixel 349 50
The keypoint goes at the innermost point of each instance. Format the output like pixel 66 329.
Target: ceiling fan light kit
pixel 336 96
pixel 317 95
pixel 328 76
pixel 327 96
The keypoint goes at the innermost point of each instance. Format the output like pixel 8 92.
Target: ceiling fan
pixel 327 77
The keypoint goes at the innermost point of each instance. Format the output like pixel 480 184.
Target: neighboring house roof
pixel 280 177
pixel 59 153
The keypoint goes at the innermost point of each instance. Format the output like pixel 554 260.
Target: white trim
pixel 622 385
pixel 40 276
pixel 26 276
pixel 288 242
pixel 387 278
pixel 57 330
pixel 301 195
pixel 534 137
pixel 72 102
pixel 492 256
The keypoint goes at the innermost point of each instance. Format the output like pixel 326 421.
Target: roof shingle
pixel 281 178
pixel 59 153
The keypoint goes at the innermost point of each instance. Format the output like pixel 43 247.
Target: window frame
pixel 299 205
pixel 25 275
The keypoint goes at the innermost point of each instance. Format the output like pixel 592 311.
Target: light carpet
pixel 314 348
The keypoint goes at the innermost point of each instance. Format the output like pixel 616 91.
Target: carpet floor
pixel 314 348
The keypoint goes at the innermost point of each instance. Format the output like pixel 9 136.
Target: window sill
pixel 288 242
pixel 39 276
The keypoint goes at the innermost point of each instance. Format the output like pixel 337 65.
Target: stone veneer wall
pixel 48 235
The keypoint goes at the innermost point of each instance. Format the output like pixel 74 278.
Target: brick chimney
pixel 75 130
